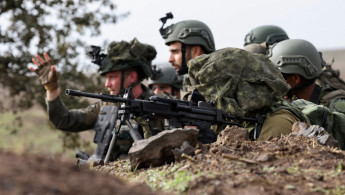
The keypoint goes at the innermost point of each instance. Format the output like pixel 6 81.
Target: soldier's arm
pixel 277 124
pixel 74 120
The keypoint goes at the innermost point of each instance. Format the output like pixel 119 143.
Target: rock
pixel 186 148
pixel 265 157
pixel 233 133
pixel 321 135
pixel 158 150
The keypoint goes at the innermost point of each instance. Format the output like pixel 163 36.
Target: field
pixel 30 132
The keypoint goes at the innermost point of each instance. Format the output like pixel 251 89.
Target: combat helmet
pixel 296 56
pixel 165 74
pixel 127 55
pixel 190 32
pixel 267 33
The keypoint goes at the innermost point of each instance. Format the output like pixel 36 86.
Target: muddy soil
pixel 286 165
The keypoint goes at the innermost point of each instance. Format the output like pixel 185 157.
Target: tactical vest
pixel 105 127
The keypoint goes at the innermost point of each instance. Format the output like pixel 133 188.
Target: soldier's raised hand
pixel 46 71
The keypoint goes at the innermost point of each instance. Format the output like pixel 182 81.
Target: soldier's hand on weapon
pixel 46 72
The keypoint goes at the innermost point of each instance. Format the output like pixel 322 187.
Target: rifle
pixel 178 112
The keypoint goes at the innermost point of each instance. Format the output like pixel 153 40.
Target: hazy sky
pixel 321 22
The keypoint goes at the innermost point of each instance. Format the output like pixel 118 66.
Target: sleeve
pixel 277 124
pixel 74 120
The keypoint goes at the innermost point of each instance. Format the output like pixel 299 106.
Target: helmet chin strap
pixel 122 89
pixel 184 69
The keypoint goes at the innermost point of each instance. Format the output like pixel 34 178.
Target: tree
pixel 54 26
pixel 30 27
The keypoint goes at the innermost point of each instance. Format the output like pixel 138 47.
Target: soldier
pixel 261 38
pixel 126 65
pixel 187 39
pixel 267 34
pixel 245 85
pixel 301 64
pixel 164 81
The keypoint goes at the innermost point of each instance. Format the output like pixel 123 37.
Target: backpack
pixel 331 77
pixel 332 121
pixel 334 100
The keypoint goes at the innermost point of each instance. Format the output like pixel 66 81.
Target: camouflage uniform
pixel 245 85
pixel 121 56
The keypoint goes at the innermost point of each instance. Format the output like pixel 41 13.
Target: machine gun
pixel 179 113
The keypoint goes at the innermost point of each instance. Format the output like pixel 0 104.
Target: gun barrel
pixel 103 97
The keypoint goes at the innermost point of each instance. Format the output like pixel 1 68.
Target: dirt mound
pixel 232 165
pixel 31 174
pixel 286 165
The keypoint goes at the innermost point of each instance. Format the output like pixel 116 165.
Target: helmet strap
pixel 184 69
pixel 122 89
pixel 172 91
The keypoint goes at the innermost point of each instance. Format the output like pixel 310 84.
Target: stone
pixel 321 135
pixel 158 150
pixel 233 133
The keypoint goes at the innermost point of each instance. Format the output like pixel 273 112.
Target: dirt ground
pixel 31 174
pixel 286 165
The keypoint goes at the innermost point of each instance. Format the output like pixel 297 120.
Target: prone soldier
pixel 301 64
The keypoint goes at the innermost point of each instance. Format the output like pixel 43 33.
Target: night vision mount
pixel 97 56
pixel 164 19
pixel 156 72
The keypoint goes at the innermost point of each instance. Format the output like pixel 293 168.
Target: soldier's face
pixel 161 88
pixel 175 58
pixel 113 82
pixel 176 54
pixel 292 79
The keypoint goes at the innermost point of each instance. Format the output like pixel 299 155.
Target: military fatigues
pixel 244 84
pixel 279 120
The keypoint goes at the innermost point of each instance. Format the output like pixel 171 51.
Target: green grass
pixel 31 132
pixel 169 179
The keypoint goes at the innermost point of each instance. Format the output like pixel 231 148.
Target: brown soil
pixel 286 165
pixel 31 174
